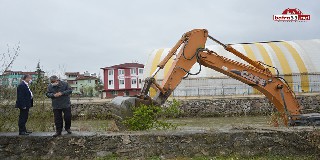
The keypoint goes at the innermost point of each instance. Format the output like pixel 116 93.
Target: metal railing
pixel 239 90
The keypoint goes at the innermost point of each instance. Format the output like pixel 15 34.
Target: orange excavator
pixel 255 74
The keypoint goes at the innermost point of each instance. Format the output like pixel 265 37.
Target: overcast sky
pixel 85 35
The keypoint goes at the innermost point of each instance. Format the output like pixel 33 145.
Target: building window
pixel 89 81
pixel 133 81
pixel 140 71
pixel 110 72
pixel 110 82
pixel 72 76
pixel 121 72
pixel 133 71
pixel 114 92
pixel 140 81
pixel 121 81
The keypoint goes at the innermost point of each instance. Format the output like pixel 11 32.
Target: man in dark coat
pixel 24 103
pixel 59 92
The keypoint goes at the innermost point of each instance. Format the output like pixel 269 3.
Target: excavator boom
pixel 254 73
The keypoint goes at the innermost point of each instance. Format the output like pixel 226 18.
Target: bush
pixel 8 113
pixel 145 118
pixel 173 110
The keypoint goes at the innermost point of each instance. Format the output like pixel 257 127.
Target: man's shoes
pixel 69 131
pixel 29 132
pixel 57 134
pixel 23 134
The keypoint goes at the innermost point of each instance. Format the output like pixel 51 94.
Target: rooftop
pixel 82 77
pixel 125 65
pixel 20 72
pixel 72 73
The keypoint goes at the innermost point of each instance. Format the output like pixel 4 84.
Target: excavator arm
pixel 254 73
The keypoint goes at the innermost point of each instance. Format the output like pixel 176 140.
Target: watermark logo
pixel 291 15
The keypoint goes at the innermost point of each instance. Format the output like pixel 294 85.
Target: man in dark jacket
pixel 59 92
pixel 24 103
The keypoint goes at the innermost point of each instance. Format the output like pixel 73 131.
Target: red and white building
pixel 122 80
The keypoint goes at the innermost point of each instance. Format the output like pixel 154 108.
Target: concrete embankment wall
pixel 211 107
pixel 167 144
pixel 242 106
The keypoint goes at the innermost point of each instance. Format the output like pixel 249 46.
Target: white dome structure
pixel 297 61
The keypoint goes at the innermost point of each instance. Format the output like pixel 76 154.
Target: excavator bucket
pixel 122 108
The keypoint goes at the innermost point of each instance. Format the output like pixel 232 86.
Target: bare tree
pixel 7 58
pixel 60 72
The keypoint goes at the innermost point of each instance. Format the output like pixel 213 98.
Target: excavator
pixel 192 50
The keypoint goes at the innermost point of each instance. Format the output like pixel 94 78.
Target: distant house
pixel 122 79
pixel 13 78
pixel 72 79
pixel 84 84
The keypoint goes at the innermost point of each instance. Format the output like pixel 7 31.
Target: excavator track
pixel 308 119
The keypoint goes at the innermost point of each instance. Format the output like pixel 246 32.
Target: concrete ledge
pixel 168 144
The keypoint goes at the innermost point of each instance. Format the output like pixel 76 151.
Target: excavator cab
pixel 192 51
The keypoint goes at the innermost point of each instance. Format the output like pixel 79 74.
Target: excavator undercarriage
pixel 255 74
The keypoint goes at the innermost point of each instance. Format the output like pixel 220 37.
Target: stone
pixel 126 139
pixel 103 153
